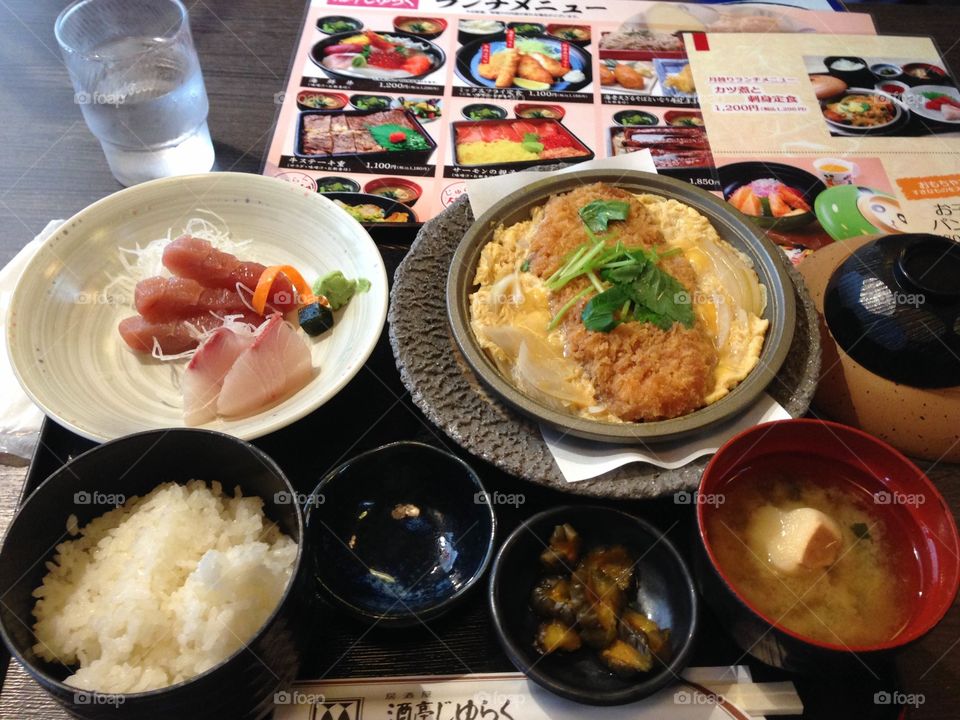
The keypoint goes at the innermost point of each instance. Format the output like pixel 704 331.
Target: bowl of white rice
pixel 159 575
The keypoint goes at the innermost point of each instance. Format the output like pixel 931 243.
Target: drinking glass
pixel 137 80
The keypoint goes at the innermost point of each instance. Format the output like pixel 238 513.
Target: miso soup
pixel 847 581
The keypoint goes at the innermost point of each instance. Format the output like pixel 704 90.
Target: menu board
pixel 827 137
pixel 392 105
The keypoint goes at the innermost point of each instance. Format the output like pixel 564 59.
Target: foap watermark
pixel 685 497
pixel 297 498
pixel 899 698
pixel 84 697
pixel 498 498
pixel 692 697
pixel 885 497
pixel 295 697
pixel 99 98
pixel 101 297
pixel 911 299
pixel 86 497
pixel 279 97
pixel 497 701
pixel 685 297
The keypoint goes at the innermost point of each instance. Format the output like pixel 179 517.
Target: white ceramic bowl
pixel 62 334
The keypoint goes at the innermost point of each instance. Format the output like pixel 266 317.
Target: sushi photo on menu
pixel 380 58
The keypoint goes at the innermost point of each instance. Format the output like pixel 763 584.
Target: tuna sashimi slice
pixel 197 259
pixel 490 134
pixel 510 133
pixel 548 129
pixel 173 337
pixel 161 299
pixel 206 371
pixel 469 134
pixel 277 364
pixel 525 127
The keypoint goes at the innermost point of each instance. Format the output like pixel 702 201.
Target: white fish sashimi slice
pixel 950 112
pixel 276 365
pixel 206 371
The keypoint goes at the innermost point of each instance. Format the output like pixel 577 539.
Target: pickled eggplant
pixel 556 635
pixel 613 562
pixel 633 622
pixel 590 587
pixel 551 599
pixel 564 549
pixel 625 659
pixel 598 624
pixel 584 601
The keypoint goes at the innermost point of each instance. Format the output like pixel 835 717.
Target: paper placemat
pixel 706 693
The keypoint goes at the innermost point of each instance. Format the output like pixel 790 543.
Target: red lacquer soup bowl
pixel 908 514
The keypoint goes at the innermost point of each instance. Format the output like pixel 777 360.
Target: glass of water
pixel 138 83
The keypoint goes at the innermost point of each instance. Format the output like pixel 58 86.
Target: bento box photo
pixel 518 143
pixel 393 135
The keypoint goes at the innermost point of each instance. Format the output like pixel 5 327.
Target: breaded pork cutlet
pixel 639 371
pixel 558 229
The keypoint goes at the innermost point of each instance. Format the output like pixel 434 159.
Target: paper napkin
pixel 583 459
pixel 485 192
pixel 19 418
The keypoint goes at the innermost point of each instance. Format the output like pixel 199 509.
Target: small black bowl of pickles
pixel 594 604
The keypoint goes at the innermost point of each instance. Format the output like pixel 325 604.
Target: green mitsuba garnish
pixel 627 284
pixel 598 214
pixel 640 291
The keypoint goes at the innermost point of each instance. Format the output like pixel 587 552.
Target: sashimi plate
pixel 62 326
pixel 916 98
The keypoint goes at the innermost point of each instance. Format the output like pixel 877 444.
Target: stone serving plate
pixel 733 227
pixel 445 387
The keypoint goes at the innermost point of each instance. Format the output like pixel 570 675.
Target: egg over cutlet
pixel 638 371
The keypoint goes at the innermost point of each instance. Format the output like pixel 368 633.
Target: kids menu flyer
pixel 804 119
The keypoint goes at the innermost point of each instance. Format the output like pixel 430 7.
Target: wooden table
pixel 52 167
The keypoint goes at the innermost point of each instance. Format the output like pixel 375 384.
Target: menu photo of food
pixel 676 139
pixel 489 138
pixel 656 77
pixel 667 18
pixel 373 200
pixel 861 96
pixel 360 57
pixel 812 201
pixel 639 116
pixel 523 56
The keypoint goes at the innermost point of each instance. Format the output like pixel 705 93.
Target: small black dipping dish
pixel 399 534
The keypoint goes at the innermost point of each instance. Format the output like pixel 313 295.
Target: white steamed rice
pixel 162 588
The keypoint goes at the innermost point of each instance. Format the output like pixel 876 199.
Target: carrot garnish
pixel 262 292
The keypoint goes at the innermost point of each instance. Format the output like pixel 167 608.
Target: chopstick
pixel 773 698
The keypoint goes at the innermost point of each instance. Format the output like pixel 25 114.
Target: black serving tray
pixel 374 409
